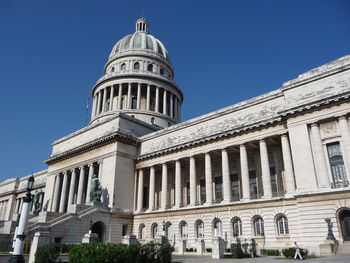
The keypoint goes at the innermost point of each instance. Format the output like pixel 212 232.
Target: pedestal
pixel 129 240
pixel 162 240
pixel 200 247
pixel 327 248
pixel 89 238
pixel 39 239
pixel 182 247
pixel 218 248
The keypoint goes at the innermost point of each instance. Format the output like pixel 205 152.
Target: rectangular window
pixel 337 165
pixel 235 187
pixel 125 230
pixel 203 196
pixel 253 185
pixel 218 189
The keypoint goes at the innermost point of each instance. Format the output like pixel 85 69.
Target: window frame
pixel 258 224
pixel 282 221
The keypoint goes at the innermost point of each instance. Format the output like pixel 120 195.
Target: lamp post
pixel 17 256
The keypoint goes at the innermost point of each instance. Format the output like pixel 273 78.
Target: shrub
pixel 252 249
pixel 273 252
pixel 47 254
pixel 237 251
pixel 290 252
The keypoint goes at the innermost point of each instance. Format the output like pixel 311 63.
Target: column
pixel 129 96
pixel 345 136
pixel 104 99
pixel 226 180
pixel 156 109
pixel 320 159
pixel 120 94
pixel 164 102
pixel 138 104
pixel 72 187
pixel 148 106
pixel 99 98
pixel 208 179
pixel 151 188
pixel 288 165
pixel 171 105
pixel 56 193
pixel 140 191
pixel 179 111
pixel 100 164
pixel 91 172
pixel 244 172
pixel 93 110
pixel 18 204
pixel 81 185
pixel 63 200
pixel 164 186
pixel 193 182
pixel 175 108
pixel 178 192
pixel 265 169
pixel 111 98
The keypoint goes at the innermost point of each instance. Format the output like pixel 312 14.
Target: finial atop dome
pixel 142 24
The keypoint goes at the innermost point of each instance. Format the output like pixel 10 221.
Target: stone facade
pixel 269 169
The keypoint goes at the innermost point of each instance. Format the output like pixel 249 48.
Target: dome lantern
pixel 142 25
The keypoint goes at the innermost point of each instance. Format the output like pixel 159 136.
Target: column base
pixel 227 201
pixel 208 203
pixel 266 197
pixel 16 259
pixel 245 199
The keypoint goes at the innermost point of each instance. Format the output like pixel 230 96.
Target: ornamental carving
pixel 329 129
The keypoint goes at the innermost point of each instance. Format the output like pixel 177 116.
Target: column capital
pixel 81 167
pixel 65 172
pixel 72 170
pixel 164 164
pixel 342 117
pixel 90 164
pixel 314 124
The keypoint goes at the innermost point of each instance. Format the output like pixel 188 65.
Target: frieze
pixel 329 129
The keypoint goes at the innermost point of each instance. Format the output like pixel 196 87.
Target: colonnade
pixel 73 186
pixel 246 192
pixel 155 98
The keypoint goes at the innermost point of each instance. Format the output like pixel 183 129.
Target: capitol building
pixel 271 168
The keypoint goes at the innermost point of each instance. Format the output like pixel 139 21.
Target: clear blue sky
pixel 223 52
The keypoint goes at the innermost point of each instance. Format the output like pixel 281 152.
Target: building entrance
pixel 344 217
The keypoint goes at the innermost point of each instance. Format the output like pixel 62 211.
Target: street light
pixel 17 256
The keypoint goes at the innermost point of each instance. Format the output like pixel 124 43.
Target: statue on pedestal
pixel 330 235
pixel 95 190
pixel 36 201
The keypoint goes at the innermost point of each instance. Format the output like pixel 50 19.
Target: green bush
pixel 290 252
pixel 273 252
pixel 252 249
pixel 238 252
pixel 49 253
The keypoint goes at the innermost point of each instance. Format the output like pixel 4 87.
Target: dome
pixel 140 41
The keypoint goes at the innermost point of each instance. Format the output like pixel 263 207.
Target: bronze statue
pixel 95 190
pixel 36 200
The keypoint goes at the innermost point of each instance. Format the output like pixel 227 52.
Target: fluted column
pixel 226 180
pixel 72 187
pixel 164 186
pixel 151 189
pixel 288 165
pixel 111 98
pixel 140 191
pixel 99 98
pixel 104 99
pixel 81 185
pixel 120 94
pixel 265 169
pixel 56 193
pixel 244 172
pixel 91 173
pixel 208 179
pixel 148 102
pixel 193 182
pixel 164 102
pixel 171 105
pixel 178 194
pixel 138 104
pixel 345 136
pixel 129 96
pixel 64 193
pixel 156 109
pixel 93 110
pixel 320 159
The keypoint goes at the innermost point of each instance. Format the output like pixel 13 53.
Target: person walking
pixel 297 251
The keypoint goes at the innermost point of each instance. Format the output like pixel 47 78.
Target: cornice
pixel 116 136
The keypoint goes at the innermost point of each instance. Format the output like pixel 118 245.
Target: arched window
pixel 123 66
pixel 137 66
pixel 99 229
pixel 282 223
pixel 142 232
pixel 183 229
pixel 154 230
pixel 218 224
pixel 150 67
pixel 258 226
pixel 237 227
pixel 169 230
pixel 152 120
pixel 200 228
pixel 112 69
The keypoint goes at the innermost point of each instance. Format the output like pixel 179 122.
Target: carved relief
pixel 329 129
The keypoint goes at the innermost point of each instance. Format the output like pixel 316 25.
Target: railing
pixel 342 184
